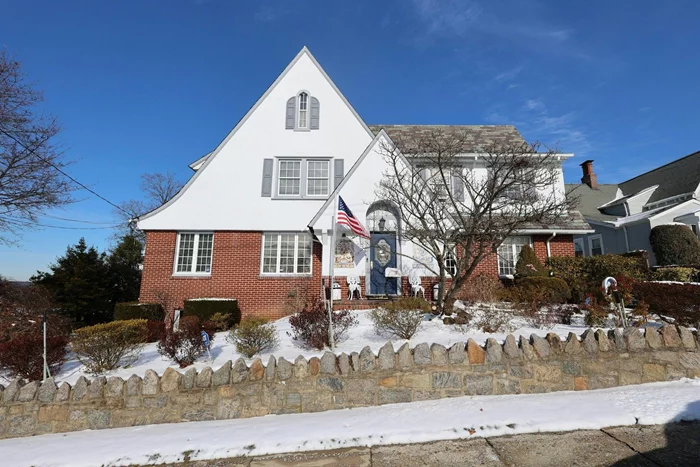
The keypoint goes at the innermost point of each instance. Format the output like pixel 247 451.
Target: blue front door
pixel 382 254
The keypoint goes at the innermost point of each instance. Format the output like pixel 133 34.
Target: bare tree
pixel 30 162
pixel 459 209
pixel 158 189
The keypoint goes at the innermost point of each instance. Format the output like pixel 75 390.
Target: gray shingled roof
pixel 574 221
pixel 589 199
pixel 675 178
pixel 478 137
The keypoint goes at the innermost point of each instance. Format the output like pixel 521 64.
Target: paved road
pixel 674 445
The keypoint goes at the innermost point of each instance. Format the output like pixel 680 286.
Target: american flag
pixel 345 217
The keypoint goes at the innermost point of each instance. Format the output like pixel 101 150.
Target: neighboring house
pixel 253 223
pixel 623 215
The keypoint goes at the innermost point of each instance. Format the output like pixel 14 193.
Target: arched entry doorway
pixel 383 223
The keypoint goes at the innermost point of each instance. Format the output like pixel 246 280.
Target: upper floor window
pixel 303 112
pixel 303 101
pixel 289 181
pixel 303 177
pixel 317 177
pixel 193 253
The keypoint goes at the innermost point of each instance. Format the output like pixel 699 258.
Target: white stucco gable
pixel 225 192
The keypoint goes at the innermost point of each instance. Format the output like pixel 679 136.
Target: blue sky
pixel 151 86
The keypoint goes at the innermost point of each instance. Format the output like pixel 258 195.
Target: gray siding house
pixel 623 215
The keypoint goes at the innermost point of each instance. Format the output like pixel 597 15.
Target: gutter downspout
pixel 549 251
pixel 627 241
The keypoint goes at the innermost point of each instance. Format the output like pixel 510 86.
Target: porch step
pixel 364 304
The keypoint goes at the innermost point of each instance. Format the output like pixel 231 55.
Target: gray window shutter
pixel 268 164
pixel 457 186
pixel 291 113
pixel 315 111
pixel 338 171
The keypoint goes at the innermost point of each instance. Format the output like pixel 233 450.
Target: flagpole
pixel 331 338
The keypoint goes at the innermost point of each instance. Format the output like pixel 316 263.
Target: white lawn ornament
pixel 353 286
pixel 415 283
pixel 610 286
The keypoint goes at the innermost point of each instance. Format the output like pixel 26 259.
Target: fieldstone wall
pixel 534 365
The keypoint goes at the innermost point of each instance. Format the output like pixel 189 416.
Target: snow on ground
pixel 462 417
pixel 357 338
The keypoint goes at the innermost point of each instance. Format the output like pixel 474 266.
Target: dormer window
pixel 303 101
pixel 303 112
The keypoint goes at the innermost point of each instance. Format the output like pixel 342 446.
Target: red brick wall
pixel 235 274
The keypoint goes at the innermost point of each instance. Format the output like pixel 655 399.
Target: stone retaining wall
pixel 534 365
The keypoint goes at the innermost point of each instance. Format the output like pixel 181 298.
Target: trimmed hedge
pixel 585 275
pixel 541 289
pixel 678 301
pixel 104 347
pixel 675 274
pixel 138 310
pixel 675 245
pixel 204 309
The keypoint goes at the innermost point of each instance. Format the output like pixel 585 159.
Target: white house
pixel 253 222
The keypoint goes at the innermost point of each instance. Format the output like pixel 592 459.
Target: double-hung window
pixel 289 182
pixel 194 253
pixel 303 178
pixel 317 177
pixel 286 253
pixel 508 254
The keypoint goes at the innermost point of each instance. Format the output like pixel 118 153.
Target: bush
pixel 678 301
pixel 542 290
pixel 311 325
pixel 220 322
pixel 253 336
pixel 585 275
pixel 138 310
pixel 481 288
pixel 675 244
pixel 104 347
pixel 401 317
pixel 22 355
pixel 677 274
pixel 528 264
pixel 206 308
pixel 21 332
pixel 184 345
pixel 156 330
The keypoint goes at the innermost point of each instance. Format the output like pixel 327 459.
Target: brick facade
pixel 236 273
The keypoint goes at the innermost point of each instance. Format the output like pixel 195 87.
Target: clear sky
pixel 147 86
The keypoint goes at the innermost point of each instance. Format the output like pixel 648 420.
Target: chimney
pixel 589 177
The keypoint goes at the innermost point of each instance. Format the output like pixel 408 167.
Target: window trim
pixel 303 189
pixel 515 257
pixel 195 250
pixel 583 245
pixel 277 272
pixel 590 244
